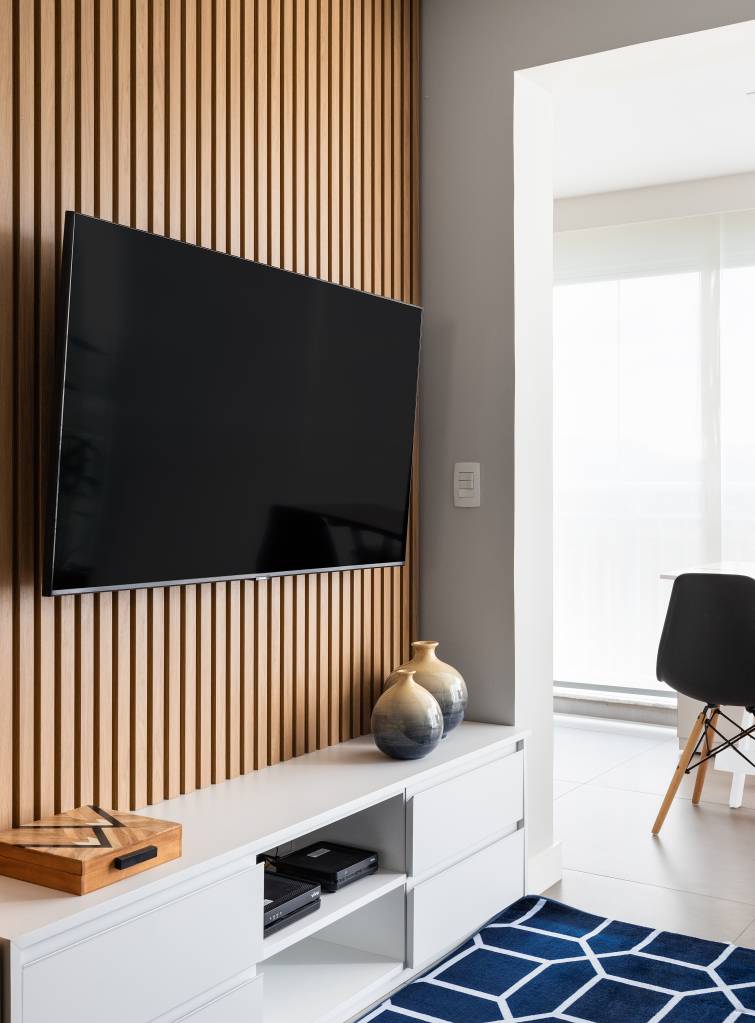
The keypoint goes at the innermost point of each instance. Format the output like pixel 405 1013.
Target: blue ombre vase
pixel 407 722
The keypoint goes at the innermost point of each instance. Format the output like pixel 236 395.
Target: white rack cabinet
pixel 184 941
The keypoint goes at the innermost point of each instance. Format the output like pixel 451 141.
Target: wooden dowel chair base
pixel 702 770
pixel 681 767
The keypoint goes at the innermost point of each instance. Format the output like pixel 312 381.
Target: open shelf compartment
pixel 357 958
pixel 380 828
pixel 335 906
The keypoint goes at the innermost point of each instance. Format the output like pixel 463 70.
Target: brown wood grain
pixel 65 853
pixel 280 130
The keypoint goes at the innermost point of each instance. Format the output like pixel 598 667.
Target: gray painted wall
pixel 470 50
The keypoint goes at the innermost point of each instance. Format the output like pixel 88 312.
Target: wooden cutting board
pixel 87 848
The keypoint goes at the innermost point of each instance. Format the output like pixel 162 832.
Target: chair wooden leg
pixel 702 770
pixel 681 767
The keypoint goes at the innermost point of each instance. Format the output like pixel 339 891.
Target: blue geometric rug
pixel 542 960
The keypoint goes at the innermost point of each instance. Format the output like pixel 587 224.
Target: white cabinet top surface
pixel 253 813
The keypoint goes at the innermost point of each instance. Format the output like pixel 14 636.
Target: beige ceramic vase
pixel 444 682
pixel 406 723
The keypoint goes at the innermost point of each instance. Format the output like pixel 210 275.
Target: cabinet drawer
pixel 242 1005
pixel 143 966
pixel 447 908
pixel 458 815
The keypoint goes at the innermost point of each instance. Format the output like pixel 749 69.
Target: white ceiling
pixel 671 110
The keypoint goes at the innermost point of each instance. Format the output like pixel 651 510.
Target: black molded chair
pixel 707 652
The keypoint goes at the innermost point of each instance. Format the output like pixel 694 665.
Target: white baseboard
pixel 543 869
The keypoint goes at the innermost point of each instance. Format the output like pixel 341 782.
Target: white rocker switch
pixel 467 484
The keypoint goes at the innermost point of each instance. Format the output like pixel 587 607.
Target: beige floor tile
pixel 747 937
pixel 651 772
pixel 698 915
pixel 560 788
pixel 705 850
pixel 581 755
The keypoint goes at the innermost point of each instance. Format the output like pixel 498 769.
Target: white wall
pixel 533 457
pixel 470 52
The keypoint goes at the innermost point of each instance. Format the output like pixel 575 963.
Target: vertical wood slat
pixel 104 190
pixel 356 655
pixel 84 646
pixel 248 680
pixel 335 627
pixel 312 674
pixel 188 690
pixel 286 641
pixel 219 676
pixel 345 579
pixel 202 162
pixel 44 721
pixel 274 589
pixel 156 695
pixel 261 744
pixel 280 130
pixel 323 661
pixel 287 132
pixel 157 216
pixel 140 95
pixel 167 633
pixel 172 693
pixel 300 665
pixel 234 211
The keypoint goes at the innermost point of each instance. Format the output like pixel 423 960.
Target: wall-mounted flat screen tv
pixel 221 419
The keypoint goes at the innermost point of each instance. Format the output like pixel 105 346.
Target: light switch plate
pixel 466 484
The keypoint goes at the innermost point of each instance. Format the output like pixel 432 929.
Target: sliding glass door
pixel 654 430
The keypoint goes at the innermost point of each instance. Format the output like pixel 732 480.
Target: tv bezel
pixel 50 509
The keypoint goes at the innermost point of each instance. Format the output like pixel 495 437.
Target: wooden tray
pixel 87 848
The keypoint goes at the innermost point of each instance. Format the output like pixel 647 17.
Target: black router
pixel 328 864
pixel 287 900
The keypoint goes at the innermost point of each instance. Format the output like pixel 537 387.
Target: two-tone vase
pixel 438 678
pixel 407 722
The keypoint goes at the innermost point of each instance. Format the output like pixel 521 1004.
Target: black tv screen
pixel 222 419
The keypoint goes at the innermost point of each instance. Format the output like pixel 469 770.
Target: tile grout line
pixel 746 928
pixel 743 810
pixel 664 888
pixel 622 788
pixel 620 763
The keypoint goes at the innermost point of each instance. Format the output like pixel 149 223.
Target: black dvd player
pixel 328 864
pixel 286 900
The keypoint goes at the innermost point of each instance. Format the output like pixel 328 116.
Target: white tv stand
pixel 184 941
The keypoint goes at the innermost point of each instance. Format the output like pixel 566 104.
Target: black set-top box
pixel 287 900
pixel 330 865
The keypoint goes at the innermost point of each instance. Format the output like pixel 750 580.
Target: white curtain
pixel 654 429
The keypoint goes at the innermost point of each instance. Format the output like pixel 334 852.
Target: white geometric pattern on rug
pixel 627 984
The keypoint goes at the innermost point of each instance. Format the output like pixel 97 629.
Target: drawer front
pixel 140 968
pixel 447 908
pixel 459 815
pixel 242 1005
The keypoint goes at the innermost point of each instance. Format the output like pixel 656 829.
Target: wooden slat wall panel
pixel 280 130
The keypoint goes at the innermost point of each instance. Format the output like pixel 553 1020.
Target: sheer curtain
pixel 654 429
